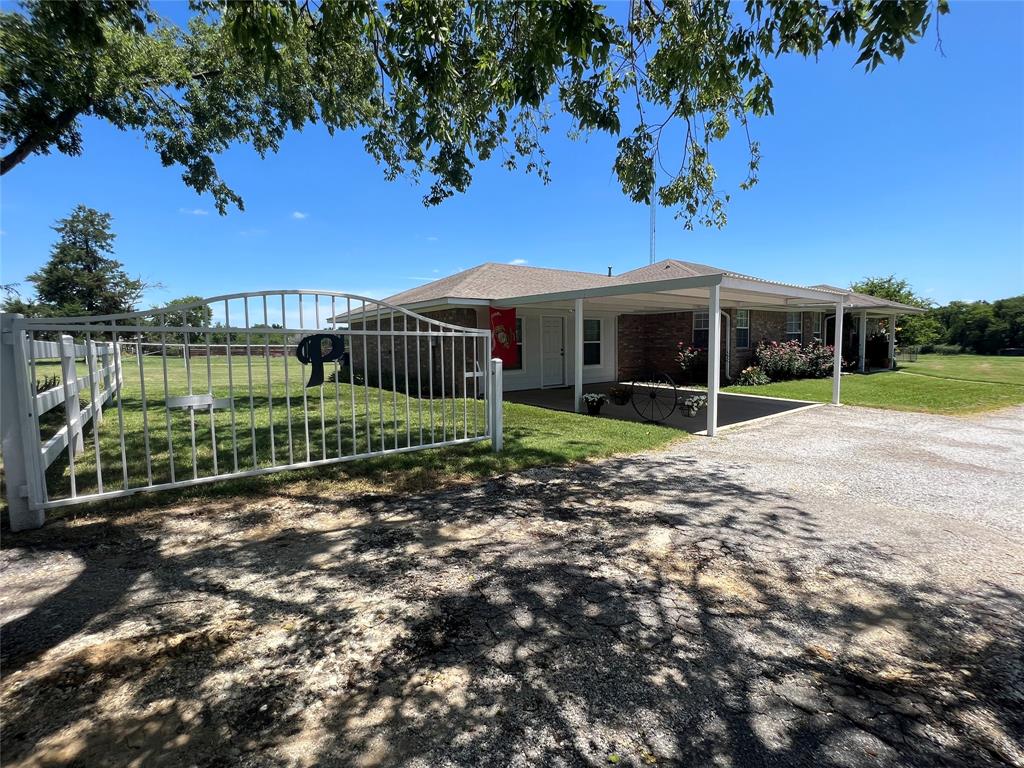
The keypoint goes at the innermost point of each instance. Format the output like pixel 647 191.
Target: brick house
pixel 631 335
pixel 574 328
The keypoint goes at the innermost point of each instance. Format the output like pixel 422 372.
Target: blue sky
pixel 916 169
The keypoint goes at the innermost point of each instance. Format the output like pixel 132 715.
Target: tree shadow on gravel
pixel 645 611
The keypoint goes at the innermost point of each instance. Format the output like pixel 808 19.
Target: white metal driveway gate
pixel 232 386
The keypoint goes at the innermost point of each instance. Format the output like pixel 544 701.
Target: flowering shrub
pixel 782 360
pixel 694 362
pixel 779 360
pixel 817 360
pixel 752 376
pixel 688 356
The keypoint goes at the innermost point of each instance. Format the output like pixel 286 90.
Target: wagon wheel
pixel 654 400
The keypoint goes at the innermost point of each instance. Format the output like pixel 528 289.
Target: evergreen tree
pixel 80 278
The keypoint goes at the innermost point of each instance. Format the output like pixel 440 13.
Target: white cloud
pixel 432 238
pixel 299 215
pixel 194 211
pixel 519 262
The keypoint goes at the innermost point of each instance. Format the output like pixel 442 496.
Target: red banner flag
pixel 503 336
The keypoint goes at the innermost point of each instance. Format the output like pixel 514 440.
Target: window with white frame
pixel 794 330
pixel 519 347
pixel 700 329
pixel 816 324
pixel 591 342
pixel 742 328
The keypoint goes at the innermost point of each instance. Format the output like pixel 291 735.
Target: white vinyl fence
pixel 101 383
pixel 232 386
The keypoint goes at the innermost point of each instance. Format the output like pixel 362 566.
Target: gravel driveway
pixel 838 587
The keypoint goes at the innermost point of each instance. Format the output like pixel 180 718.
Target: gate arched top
pixel 368 309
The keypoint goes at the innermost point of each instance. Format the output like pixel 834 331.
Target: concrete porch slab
pixel 733 409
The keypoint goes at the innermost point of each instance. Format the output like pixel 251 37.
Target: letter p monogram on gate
pixel 311 351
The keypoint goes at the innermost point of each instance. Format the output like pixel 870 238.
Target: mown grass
pixel 341 421
pixel 988 368
pixel 902 392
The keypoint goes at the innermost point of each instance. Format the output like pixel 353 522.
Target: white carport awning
pixel 682 293
pixel 712 293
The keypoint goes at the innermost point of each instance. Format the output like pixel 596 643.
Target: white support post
pixel 22 463
pixel 577 356
pixel 497 418
pixel 714 355
pixel 837 354
pixel 862 342
pixel 72 407
pixel 892 342
pixel 92 365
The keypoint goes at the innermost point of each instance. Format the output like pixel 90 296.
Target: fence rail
pixel 234 386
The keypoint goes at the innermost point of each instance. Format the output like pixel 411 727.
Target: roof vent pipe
pixel 609 271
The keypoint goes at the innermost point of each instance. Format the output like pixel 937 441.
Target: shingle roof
pixel 493 281
pixel 500 281
pixel 668 269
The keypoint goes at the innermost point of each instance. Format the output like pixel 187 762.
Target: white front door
pixel 553 351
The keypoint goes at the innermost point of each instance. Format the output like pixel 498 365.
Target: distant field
pixel 997 369
pixel 935 384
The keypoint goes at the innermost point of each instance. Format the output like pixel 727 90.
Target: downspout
pixel 728 345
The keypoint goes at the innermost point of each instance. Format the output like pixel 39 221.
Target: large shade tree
pixel 433 86
pixel 911 330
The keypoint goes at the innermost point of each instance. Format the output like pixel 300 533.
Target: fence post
pixel 497 425
pixel 21 467
pixel 72 406
pixel 92 365
pixel 118 369
pixel 108 360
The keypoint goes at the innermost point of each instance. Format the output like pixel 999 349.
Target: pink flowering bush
pixel 779 360
pixel 818 360
pixel 782 360
pixel 694 362
pixel 752 376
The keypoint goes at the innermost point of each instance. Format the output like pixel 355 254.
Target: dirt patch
pixel 635 612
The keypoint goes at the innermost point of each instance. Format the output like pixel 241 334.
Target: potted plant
pixel 593 401
pixel 694 403
pixel 619 394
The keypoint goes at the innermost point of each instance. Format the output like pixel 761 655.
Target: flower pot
pixel 593 409
pixel 619 398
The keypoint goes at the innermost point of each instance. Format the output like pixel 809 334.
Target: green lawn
pixel 990 368
pixel 970 384
pixel 349 420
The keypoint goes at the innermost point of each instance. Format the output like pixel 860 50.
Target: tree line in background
pixel 981 327
pixel 82 278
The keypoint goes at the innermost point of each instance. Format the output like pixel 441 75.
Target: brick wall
pixel 401 355
pixel 649 343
